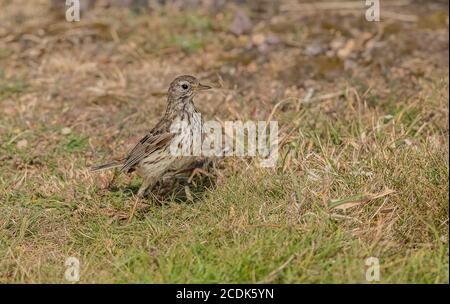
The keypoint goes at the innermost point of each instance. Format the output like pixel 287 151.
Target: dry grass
pixel 373 136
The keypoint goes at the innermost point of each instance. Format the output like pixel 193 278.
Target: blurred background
pixel 260 51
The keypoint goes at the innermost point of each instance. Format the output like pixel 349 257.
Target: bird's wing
pixel 147 145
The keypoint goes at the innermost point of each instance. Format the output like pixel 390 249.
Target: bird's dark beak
pixel 202 87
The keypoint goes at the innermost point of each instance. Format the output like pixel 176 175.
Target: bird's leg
pixel 199 172
pixel 113 179
pixel 147 184
pixel 137 199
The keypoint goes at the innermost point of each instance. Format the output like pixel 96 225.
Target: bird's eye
pixel 184 86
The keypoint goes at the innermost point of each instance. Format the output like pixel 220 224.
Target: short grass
pixel 375 135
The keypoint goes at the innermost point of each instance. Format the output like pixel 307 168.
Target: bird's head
pixel 185 86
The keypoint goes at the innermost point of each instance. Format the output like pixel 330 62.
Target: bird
pixel 152 157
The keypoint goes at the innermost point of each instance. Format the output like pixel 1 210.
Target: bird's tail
pixel 113 164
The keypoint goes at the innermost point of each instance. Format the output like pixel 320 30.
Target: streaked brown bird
pixel 152 157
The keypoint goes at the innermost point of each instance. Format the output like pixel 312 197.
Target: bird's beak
pixel 202 87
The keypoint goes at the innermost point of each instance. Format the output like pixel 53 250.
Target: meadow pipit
pixel 152 156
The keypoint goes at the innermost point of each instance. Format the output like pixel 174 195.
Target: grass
pixel 12 87
pixel 362 173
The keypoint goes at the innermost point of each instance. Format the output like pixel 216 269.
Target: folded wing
pixel 146 146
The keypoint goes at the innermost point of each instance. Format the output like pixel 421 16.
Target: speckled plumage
pixel 151 158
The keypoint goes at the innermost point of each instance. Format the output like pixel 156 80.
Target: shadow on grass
pixel 176 189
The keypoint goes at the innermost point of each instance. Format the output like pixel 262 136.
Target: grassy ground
pixel 374 135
